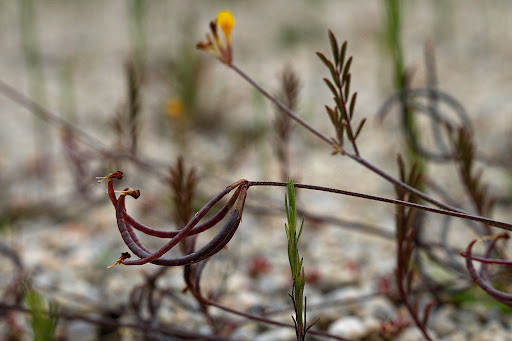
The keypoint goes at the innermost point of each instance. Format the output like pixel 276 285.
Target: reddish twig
pixel 481 279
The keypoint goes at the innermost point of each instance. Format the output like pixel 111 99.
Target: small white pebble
pixel 349 327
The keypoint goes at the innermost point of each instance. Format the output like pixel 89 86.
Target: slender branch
pixel 332 143
pixel 269 321
pixel 283 107
pixel 487 260
pixel 468 216
pixel 403 185
pixel 53 119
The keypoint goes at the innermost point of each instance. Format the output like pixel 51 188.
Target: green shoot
pixel 44 316
pixel 393 39
pixel 295 263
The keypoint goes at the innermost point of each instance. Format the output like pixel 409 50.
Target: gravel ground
pixel 63 226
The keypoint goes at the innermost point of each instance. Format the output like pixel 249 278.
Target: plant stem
pixel 283 107
pixel 269 321
pixel 457 214
pixel 354 157
pixel 403 185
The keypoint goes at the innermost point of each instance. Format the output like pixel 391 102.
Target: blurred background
pixel 90 87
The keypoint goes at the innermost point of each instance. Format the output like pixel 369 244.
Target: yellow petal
pixel 225 21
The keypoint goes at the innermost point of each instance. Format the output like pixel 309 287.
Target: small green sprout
pixel 297 270
pixel 43 314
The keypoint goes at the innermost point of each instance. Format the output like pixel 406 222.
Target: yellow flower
pixel 222 50
pixel 174 108
pixel 226 21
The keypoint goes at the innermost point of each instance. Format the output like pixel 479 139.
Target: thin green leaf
pixel 300 231
pixel 343 51
pixel 286 206
pixel 334 47
pixel 291 198
pixel 352 105
pixel 347 85
pixel 349 132
pixel 331 68
pixel 346 69
pixel 331 87
pixel 361 124
pixel 332 115
pixel 326 61
pixel 340 104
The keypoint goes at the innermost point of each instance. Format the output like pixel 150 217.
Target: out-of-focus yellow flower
pixel 174 108
pixel 222 50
